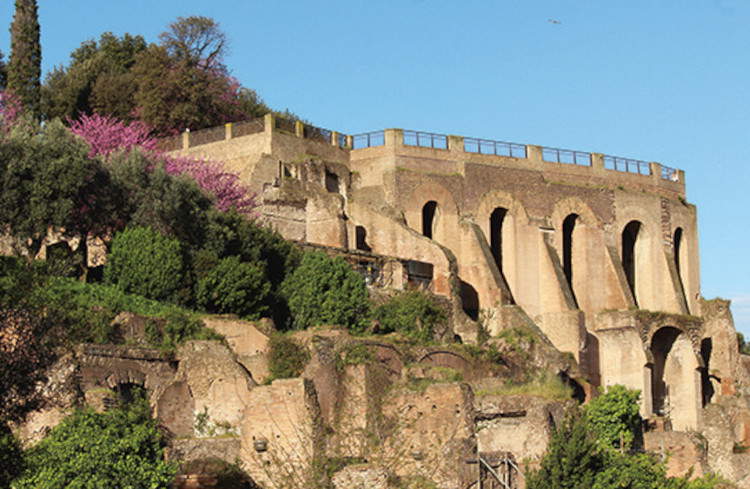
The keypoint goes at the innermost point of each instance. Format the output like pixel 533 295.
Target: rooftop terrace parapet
pixel 445 146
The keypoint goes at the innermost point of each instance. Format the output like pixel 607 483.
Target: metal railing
pixel 244 128
pixel 627 165
pixel 567 156
pixel 425 139
pixel 317 134
pixel 368 139
pixel 491 147
pixel 341 140
pixel 284 124
pixel 205 136
pixel 669 173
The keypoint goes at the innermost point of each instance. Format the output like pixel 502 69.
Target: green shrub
pixel 414 314
pixel 178 328
pixel 324 290
pixel 119 448
pixel 11 456
pixel 145 262
pixel 286 358
pixel 614 417
pixel 234 287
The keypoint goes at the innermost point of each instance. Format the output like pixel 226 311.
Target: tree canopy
pixel 196 41
pixel 25 66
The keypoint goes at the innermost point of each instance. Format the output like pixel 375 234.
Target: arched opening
pixel 360 234
pixel 707 388
pixel 429 214
pixel 470 300
pixel 674 382
pixel 629 239
pixel 576 390
pixel 129 393
pixel 569 225
pixel 496 235
pixel 677 251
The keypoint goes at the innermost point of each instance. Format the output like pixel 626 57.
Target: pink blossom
pixel 10 110
pixel 106 134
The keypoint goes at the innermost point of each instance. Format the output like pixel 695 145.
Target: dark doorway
pixel 361 238
pixel 496 235
pixel 677 250
pixel 707 388
pixel 332 182
pixel 569 225
pixel 428 218
pixel 470 300
pixel 629 238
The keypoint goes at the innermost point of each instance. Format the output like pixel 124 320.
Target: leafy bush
pixel 324 290
pixel 11 456
pixel 236 287
pixel 614 417
pixel 176 329
pixel 576 459
pixel 146 263
pixel 413 314
pixel 119 448
pixel 286 358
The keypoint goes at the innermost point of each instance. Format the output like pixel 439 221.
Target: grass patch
pixel 545 385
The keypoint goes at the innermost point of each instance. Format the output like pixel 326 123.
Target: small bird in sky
pixel 554 21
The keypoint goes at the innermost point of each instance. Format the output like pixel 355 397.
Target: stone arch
pixel 446 220
pixel 500 216
pixel 674 377
pixel 637 263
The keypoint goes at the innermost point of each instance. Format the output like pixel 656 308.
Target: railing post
pixel 228 131
pixel 597 161
pixel 350 142
pixel 299 129
pixel 393 137
pixel 655 169
pixel 186 139
pixel 269 122
pixel 534 152
pixel 334 138
pixel 455 144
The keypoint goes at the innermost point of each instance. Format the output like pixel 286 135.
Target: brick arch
pixel 502 233
pixel 446 218
pixel 574 205
pixel 498 198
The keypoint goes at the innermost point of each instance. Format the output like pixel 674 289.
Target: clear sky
pixel 659 80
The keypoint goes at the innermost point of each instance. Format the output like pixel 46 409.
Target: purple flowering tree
pixel 106 134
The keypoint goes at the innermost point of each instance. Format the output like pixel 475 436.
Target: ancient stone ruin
pixel 596 255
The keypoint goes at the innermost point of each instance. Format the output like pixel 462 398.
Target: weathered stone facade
pixel 599 253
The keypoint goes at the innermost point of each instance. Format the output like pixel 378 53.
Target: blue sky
pixel 660 81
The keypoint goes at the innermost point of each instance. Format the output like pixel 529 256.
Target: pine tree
pixel 25 64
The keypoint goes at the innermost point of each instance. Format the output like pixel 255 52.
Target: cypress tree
pixel 25 64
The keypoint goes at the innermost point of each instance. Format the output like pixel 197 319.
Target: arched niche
pixel 674 382
pixel 679 251
pixel 470 300
pixel 429 219
pixel 572 251
pixel 360 235
pixel 635 257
